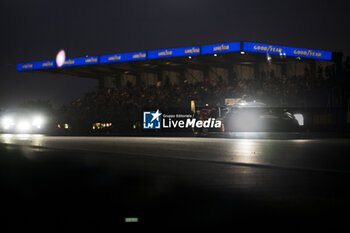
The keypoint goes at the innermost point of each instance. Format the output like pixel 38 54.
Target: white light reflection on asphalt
pixel 36 139
pixel 245 151
pixel 6 138
pixel 22 139
pixel 22 136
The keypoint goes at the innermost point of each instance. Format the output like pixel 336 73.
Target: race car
pixel 250 117
pixel 22 122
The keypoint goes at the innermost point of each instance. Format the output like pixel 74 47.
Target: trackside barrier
pixel 322 119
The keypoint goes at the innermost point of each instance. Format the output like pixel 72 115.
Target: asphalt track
pixel 328 155
pixel 96 183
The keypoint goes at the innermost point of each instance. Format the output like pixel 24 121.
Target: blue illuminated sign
pixel 36 65
pixel 119 57
pixel 51 63
pixel 287 51
pixel 174 52
pixel 45 64
pixel 183 51
pixel 25 66
pixel 221 48
pixel 80 61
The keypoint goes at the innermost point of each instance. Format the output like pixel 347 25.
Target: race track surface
pixel 328 155
pixel 88 184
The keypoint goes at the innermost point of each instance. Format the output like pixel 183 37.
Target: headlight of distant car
pixel 7 122
pixel 300 118
pixel 247 121
pixel 23 126
pixel 38 122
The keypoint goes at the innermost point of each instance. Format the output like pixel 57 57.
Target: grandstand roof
pixel 197 57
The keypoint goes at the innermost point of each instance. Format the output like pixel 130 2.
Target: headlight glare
pixel 300 118
pixel 7 122
pixel 23 126
pixel 38 122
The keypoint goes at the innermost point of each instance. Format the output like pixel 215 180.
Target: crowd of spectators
pixel 123 105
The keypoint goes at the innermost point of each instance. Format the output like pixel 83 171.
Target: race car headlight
pixel 23 126
pixel 247 121
pixel 7 122
pixel 38 122
pixel 300 118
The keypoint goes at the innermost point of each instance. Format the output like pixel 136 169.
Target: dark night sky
pixel 36 29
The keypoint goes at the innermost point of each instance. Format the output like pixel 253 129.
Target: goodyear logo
pixel 114 58
pixel 221 48
pixel 69 62
pixel 192 50
pixel 47 64
pixel 27 66
pixel 165 53
pixel 139 55
pixel 267 49
pixel 307 53
pixel 288 51
pixel 91 60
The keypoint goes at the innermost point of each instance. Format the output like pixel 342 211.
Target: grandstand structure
pixel 308 80
pixel 223 61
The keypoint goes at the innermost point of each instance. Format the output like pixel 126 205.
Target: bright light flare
pixel 246 121
pixel 23 126
pixel 60 58
pixel 300 118
pixel 7 122
pixel 38 122
pixel 268 58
